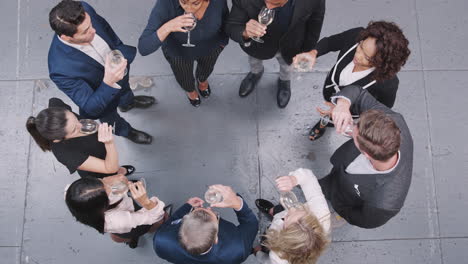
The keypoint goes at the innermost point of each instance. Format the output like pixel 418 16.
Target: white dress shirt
pixel 98 49
pixel 316 203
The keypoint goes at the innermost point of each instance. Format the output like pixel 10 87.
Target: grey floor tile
pixel 454 250
pixel 9 50
pixel 443 34
pixel 384 252
pixel 446 97
pixel 10 255
pixel 35 36
pixel 15 106
pixel 360 12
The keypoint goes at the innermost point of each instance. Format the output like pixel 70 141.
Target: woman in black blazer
pixel 369 57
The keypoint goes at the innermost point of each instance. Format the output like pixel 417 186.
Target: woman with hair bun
pixel 369 57
pixel 58 129
pixel 297 235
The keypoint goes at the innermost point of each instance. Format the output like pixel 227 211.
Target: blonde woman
pixel 296 236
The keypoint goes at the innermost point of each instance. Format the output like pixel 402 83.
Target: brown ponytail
pixel 49 125
pixel 43 143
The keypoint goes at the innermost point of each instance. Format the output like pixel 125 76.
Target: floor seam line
pixel 429 123
pixel 28 173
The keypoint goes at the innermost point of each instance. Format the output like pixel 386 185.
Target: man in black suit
pixel 295 30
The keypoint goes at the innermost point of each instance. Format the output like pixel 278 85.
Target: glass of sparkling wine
pixel 116 58
pixel 213 196
pixel 119 188
pixel 303 63
pixel 348 132
pixel 190 28
pixel 88 126
pixel 265 17
pixel 289 200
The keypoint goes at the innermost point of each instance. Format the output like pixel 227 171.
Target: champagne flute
pixel 265 17
pixel 116 58
pixel 190 28
pixel 88 126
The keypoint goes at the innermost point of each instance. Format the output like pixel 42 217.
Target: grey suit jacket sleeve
pixel 361 100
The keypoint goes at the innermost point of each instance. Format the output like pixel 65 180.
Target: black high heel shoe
pixel 130 169
pixel 195 102
pixel 264 206
pixel 133 243
pixel 205 93
pixel 317 131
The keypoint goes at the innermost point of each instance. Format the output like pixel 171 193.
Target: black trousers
pixel 183 68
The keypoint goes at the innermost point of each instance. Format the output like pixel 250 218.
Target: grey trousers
pixel 256 66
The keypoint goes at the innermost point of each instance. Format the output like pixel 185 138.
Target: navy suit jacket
pixel 234 242
pixel 81 77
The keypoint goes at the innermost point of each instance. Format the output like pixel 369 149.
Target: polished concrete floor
pixel 245 142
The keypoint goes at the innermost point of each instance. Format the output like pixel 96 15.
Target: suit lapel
pixel 77 55
pixel 299 7
pixel 343 63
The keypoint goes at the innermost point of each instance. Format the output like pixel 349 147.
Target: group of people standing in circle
pixel 371 172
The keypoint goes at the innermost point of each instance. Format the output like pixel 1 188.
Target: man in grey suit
pixel 372 172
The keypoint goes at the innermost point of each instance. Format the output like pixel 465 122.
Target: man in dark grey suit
pixel 372 172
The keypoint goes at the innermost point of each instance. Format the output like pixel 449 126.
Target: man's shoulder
pixel 88 8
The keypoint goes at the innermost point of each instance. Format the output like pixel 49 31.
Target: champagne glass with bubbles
pixel 190 28
pixel 265 17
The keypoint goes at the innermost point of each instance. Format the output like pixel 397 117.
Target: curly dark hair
pixel 392 48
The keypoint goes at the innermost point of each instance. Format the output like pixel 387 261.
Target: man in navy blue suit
pixel 196 235
pixel 80 67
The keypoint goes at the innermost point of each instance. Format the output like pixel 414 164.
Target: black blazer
pixel 383 91
pixel 302 35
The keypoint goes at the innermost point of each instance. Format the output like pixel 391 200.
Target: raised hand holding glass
pixel 116 58
pixel 265 17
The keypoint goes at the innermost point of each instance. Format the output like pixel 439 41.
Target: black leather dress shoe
pixel 139 137
pixel 284 93
pixel 140 101
pixel 264 206
pixel 249 83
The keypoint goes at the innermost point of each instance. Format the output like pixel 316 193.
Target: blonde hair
pixel 299 243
